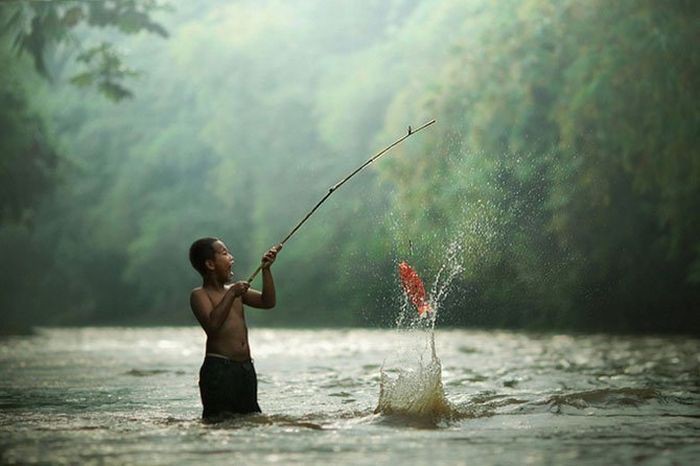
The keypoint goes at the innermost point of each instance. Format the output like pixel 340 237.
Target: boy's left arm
pixel 265 299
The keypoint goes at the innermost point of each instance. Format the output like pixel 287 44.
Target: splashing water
pixel 408 318
pixel 411 379
pixel 414 392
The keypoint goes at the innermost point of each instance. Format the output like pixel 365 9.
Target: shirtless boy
pixel 227 380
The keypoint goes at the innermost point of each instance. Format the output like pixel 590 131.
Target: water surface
pixel 129 395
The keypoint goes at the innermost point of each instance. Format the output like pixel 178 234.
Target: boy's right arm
pixel 211 317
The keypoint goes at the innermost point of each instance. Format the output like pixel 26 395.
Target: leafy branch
pixel 37 27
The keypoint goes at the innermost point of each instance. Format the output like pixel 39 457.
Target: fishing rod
pixel 333 188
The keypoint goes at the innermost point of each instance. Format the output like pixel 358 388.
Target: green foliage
pixel 107 72
pixel 39 28
pixel 28 161
pixel 585 114
pixel 563 170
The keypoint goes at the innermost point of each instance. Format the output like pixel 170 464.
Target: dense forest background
pixel 562 180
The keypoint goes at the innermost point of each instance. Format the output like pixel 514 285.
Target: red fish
pixel 413 287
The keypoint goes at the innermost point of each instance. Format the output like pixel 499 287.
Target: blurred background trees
pixel 564 168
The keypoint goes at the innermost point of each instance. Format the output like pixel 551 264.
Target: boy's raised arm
pixel 267 298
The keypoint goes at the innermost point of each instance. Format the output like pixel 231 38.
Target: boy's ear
pixel 209 264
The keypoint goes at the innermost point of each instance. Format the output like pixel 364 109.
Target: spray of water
pixel 411 378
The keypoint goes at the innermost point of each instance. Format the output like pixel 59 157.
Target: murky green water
pixel 125 395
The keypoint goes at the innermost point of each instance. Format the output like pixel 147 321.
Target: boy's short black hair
pixel 201 251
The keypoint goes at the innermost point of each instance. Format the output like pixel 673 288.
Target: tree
pixel 38 28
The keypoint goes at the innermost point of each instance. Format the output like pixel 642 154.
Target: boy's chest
pixel 236 306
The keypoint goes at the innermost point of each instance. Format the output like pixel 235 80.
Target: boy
pixel 227 379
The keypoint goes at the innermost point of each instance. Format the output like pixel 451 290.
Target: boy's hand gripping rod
pixel 332 189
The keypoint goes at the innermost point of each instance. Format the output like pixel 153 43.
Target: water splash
pixel 452 266
pixel 414 392
pixel 411 379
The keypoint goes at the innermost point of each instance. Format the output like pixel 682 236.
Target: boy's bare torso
pixel 231 339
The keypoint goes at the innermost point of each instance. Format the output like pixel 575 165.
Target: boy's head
pixel 202 251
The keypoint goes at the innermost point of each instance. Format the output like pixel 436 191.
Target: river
pixel 349 397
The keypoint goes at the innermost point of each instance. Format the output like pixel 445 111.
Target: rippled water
pixel 127 395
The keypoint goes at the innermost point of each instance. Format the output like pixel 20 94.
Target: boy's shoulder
pixel 197 292
pixel 198 298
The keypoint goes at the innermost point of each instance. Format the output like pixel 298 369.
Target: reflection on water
pixel 130 396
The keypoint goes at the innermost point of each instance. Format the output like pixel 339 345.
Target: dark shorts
pixel 228 387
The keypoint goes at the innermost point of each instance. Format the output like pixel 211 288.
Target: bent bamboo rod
pixel 333 188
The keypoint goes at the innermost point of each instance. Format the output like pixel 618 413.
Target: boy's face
pixel 223 261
